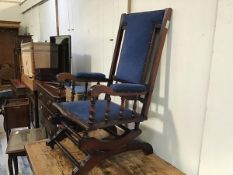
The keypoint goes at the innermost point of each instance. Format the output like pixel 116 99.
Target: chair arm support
pixel 96 90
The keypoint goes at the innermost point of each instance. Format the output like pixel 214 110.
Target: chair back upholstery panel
pixel 139 29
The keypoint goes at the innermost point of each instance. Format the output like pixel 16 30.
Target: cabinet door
pixel 94 25
pixel 64 16
pixel 47 17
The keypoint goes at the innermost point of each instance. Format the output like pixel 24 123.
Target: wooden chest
pixel 35 55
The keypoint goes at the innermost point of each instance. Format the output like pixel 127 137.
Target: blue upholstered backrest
pixel 139 29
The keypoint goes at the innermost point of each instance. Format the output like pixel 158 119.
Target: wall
pixel 177 113
pixel 39 21
pixel 217 149
pixel 9 12
pixel 92 25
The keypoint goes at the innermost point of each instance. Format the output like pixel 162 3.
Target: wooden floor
pixel 24 167
pixel 46 161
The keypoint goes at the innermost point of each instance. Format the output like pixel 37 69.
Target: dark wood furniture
pixel 136 59
pixel 48 92
pixel 44 160
pixel 16 145
pixel 21 90
pixel 8 35
pixel 16 114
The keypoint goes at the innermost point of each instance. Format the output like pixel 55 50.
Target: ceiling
pixel 12 1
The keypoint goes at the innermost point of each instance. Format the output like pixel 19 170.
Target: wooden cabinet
pixel 8 36
pixel 47 94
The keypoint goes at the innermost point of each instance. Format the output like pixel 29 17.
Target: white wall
pixel 91 25
pixel 9 12
pixel 177 113
pixel 217 150
pixel 39 21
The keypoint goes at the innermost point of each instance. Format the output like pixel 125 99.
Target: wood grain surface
pixel 46 161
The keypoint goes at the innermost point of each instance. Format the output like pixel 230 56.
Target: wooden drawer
pixel 46 100
pixel 48 119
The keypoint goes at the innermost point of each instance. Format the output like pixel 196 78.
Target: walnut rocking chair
pixel 136 59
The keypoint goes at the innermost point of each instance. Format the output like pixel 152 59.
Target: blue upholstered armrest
pixel 128 87
pixel 91 75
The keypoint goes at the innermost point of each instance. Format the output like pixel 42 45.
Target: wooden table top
pixel 46 161
pixel 19 138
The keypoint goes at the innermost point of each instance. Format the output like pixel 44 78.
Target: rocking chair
pixel 136 59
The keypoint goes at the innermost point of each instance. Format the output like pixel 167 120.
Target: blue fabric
pixel 6 93
pixel 81 110
pixel 128 87
pixel 77 89
pixel 90 75
pixel 138 33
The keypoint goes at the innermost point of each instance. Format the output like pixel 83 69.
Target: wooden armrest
pixel 62 77
pixel 96 90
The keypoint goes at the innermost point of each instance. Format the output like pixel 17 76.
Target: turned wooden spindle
pixel 92 111
pixel 72 90
pixel 106 115
pixel 122 108
pixel 60 88
pixel 134 107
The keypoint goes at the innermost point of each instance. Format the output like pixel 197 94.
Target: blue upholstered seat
pixel 128 87
pixel 90 75
pixel 81 109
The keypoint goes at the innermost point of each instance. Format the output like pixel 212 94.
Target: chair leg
pixel 16 165
pixel 8 134
pixel 10 168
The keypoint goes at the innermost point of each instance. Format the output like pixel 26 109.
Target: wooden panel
pixel 7 48
pixel 9 24
pixel 27 64
pixel 46 161
pixel 29 82
pixel 7 45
